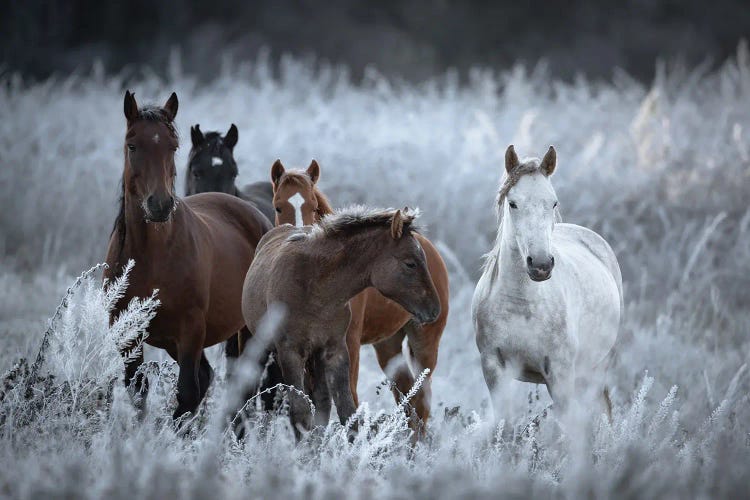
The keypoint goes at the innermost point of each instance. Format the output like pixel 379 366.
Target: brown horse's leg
pixel 189 396
pixel 140 383
pixel 423 345
pixel 354 341
pixel 205 375
pixel 353 336
pixel 393 364
pixel 232 347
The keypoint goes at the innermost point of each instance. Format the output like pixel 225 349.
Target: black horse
pixel 211 167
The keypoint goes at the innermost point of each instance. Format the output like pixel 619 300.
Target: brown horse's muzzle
pixel 159 208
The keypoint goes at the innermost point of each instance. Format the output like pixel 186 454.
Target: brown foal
pixel 375 319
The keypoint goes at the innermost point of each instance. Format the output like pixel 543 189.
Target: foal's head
pixel 531 203
pixel 150 144
pixel 295 196
pixel 395 259
pixel 211 165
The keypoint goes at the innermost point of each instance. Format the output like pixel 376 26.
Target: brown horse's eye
pixel 410 264
pixel 278 210
pixel 131 147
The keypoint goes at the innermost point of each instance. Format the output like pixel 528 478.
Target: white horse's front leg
pixel 493 368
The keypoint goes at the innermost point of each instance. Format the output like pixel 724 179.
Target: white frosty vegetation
pixel 661 172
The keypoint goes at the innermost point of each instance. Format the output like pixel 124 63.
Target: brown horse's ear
pixel 511 159
pixel 130 107
pixel 314 171
pixel 196 136
pixel 549 162
pixel 171 106
pixel 397 225
pixel 277 170
pixel 233 135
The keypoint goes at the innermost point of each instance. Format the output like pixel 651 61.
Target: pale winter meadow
pixel 661 171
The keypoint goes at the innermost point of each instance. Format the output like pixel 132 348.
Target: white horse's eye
pixel 512 204
pixel 555 205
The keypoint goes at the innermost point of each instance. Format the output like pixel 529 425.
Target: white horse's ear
pixel 549 162
pixel 511 159
pixel 397 225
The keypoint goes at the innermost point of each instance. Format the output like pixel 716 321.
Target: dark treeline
pixel 410 38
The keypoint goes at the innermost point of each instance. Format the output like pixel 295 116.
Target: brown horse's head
pixel 295 195
pixel 150 144
pixel 400 272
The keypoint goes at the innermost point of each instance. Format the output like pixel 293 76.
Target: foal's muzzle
pixel 540 269
pixel 158 209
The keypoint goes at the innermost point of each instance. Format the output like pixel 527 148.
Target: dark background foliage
pixel 414 39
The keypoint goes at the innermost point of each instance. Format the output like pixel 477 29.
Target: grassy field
pixel 662 172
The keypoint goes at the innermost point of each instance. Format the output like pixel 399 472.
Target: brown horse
pixel 376 319
pixel 314 272
pixel 195 251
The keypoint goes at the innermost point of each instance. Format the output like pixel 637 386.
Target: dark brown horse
pixel 313 272
pixel 376 319
pixel 195 251
pixel 212 168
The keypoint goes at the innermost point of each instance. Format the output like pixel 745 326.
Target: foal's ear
pixel 511 159
pixel 233 135
pixel 314 171
pixel 549 162
pixel 130 107
pixel 397 225
pixel 196 136
pixel 277 170
pixel 171 106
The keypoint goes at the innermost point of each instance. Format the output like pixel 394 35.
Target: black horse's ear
pixel 230 140
pixel 549 162
pixel 511 159
pixel 277 170
pixel 314 171
pixel 130 107
pixel 196 136
pixel 171 106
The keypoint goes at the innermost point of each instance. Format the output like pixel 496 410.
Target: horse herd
pixel 348 277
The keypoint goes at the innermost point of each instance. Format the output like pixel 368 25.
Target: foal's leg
pixel 292 365
pixel 354 342
pixel 393 364
pixel 320 394
pixel 336 369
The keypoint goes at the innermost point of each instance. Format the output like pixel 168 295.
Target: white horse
pixel 532 323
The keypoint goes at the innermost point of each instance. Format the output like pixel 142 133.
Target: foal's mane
pixel 357 218
pixel 149 113
pixel 300 178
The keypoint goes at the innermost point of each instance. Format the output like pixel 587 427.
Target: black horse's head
pixel 211 165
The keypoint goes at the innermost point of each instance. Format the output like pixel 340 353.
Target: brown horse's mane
pixel 302 179
pixel 148 113
pixel 354 219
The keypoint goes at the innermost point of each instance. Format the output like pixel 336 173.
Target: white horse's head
pixel 531 204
